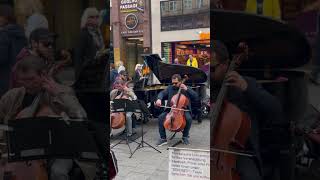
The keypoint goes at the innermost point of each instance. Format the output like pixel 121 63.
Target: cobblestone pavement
pixel 148 164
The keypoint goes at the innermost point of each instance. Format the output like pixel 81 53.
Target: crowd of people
pixel 33 78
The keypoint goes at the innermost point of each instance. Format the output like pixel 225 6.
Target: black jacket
pixel 168 93
pixel 85 51
pixel 12 40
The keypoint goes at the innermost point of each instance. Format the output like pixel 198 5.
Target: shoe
pixel 185 141
pixel 162 142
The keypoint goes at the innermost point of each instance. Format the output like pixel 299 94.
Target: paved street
pixel 146 163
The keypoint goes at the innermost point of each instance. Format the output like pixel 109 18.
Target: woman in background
pixel 12 40
pixel 29 14
pixel 91 41
pixel 138 73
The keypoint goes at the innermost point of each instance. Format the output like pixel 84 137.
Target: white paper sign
pixel 189 164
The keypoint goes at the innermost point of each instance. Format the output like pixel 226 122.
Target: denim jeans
pixel 162 130
pixel 130 123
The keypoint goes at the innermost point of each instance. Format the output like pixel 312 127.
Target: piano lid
pixel 164 71
pixel 271 42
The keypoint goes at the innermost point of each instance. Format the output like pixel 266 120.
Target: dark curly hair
pixel 221 51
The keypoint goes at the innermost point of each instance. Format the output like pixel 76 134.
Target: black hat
pixel 42 34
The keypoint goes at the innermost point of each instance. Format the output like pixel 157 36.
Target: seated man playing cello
pixel 39 95
pixel 167 94
pixel 249 97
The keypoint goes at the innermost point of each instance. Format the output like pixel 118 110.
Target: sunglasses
pixel 175 83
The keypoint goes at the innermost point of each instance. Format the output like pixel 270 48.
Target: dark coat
pixel 12 40
pixel 85 50
pixel 113 76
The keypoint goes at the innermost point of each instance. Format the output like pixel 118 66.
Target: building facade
pixel 180 28
pixel 131 35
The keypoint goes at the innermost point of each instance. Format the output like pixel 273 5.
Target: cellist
pixel 60 100
pixel 167 94
pixel 121 89
pixel 249 97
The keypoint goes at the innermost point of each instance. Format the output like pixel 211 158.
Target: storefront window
pixel 187 4
pixel 181 50
pixel 166 52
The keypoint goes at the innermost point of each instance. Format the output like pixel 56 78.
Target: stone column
pixel 115 22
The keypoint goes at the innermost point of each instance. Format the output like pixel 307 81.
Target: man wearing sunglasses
pixel 41 43
pixel 250 97
pixel 167 94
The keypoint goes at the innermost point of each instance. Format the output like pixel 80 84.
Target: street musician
pixel 39 95
pixel 246 94
pixel 167 94
pixel 122 90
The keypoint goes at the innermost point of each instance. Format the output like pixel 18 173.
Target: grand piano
pixel 160 78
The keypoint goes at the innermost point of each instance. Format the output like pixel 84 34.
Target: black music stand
pixel 46 138
pixel 143 109
pixel 124 105
pixel 138 106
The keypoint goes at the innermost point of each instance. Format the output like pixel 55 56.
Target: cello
pixel 118 119
pixel 175 120
pixel 230 129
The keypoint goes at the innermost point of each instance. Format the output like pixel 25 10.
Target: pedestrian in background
pixel 12 40
pixel 192 61
pixel 90 41
pixel 29 14
pixel 176 61
pixel 121 67
pixel 113 73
